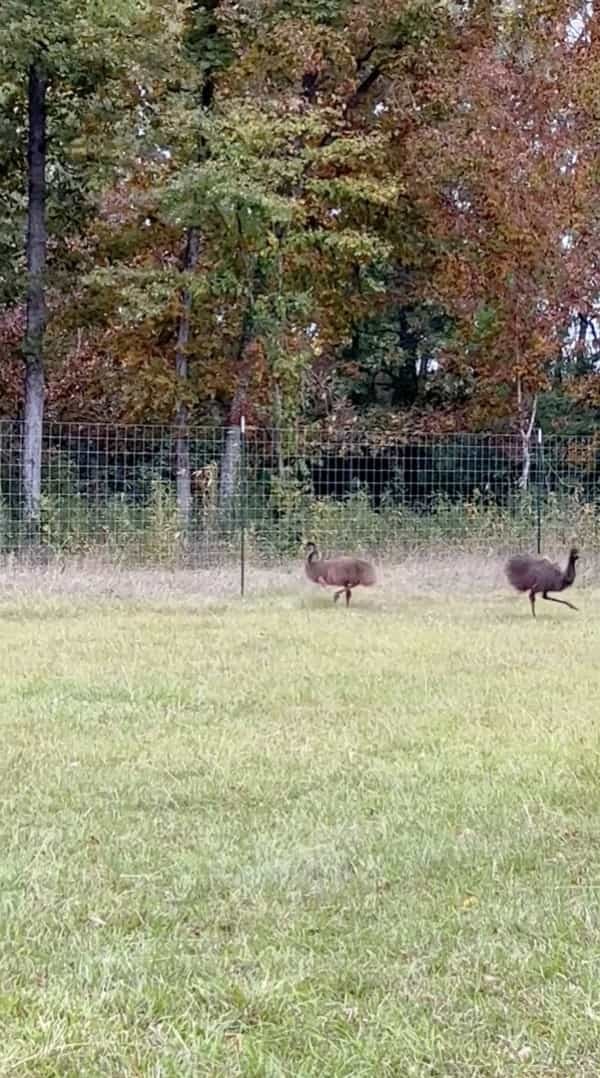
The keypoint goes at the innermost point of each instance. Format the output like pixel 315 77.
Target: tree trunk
pixel 36 300
pixel 526 429
pixel 422 372
pixel 581 359
pixel 276 433
pixel 230 464
pixel 190 261
pixel 182 441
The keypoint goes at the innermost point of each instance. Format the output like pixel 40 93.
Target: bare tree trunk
pixel 190 261
pixel 581 361
pixel 232 452
pixel 526 426
pixel 230 463
pixel 36 300
pixel 422 372
pixel 182 441
pixel 277 413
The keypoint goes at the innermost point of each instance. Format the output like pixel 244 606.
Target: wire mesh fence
pixel 148 495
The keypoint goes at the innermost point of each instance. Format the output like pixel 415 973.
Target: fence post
pixel 242 504
pixel 540 480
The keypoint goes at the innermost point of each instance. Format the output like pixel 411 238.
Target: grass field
pixel 280 838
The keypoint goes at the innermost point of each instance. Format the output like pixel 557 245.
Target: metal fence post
pixel 242 504
pixel 540 480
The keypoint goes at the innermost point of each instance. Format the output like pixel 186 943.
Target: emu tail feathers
pixel 518 572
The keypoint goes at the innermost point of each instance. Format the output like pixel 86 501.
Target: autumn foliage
pixel 400 192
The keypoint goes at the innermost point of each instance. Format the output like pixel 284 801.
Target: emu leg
pixel 563 602
pixel 337 594
pixel 348 596
pixel 532 601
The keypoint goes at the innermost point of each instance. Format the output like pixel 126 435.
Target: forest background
pixel 377 215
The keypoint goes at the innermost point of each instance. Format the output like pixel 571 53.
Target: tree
pixel 338 191
pixel 301 179
pixel 36 298
pixel 65 51
pixel 208 48
pixel 504 179
pixel 302 224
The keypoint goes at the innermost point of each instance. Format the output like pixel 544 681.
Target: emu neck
pixel 570 572
pixel 313 564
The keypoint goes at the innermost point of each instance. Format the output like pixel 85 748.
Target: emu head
pixel 311 551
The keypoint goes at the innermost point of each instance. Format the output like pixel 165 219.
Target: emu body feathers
pixel 344 573
pixel 539 576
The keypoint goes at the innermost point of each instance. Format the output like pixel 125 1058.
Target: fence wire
pixel 148 495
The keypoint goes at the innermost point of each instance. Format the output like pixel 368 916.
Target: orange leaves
pixel 360 156
pixel 12 323
pixel 502 174
pixel 586 390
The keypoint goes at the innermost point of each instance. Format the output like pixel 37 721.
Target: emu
pixel 343 573
pixel 538 575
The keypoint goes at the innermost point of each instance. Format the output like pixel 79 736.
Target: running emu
pixel 537 575
pixel 344 573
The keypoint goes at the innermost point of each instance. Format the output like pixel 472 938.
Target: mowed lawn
pixel 283 838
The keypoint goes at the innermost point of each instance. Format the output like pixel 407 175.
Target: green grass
pixel 283 838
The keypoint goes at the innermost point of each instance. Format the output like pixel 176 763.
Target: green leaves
pixel 229 198
pixel 345 165
pixel 74 38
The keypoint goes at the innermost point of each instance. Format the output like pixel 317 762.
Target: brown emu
pixel 538 575
pixel 343 573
